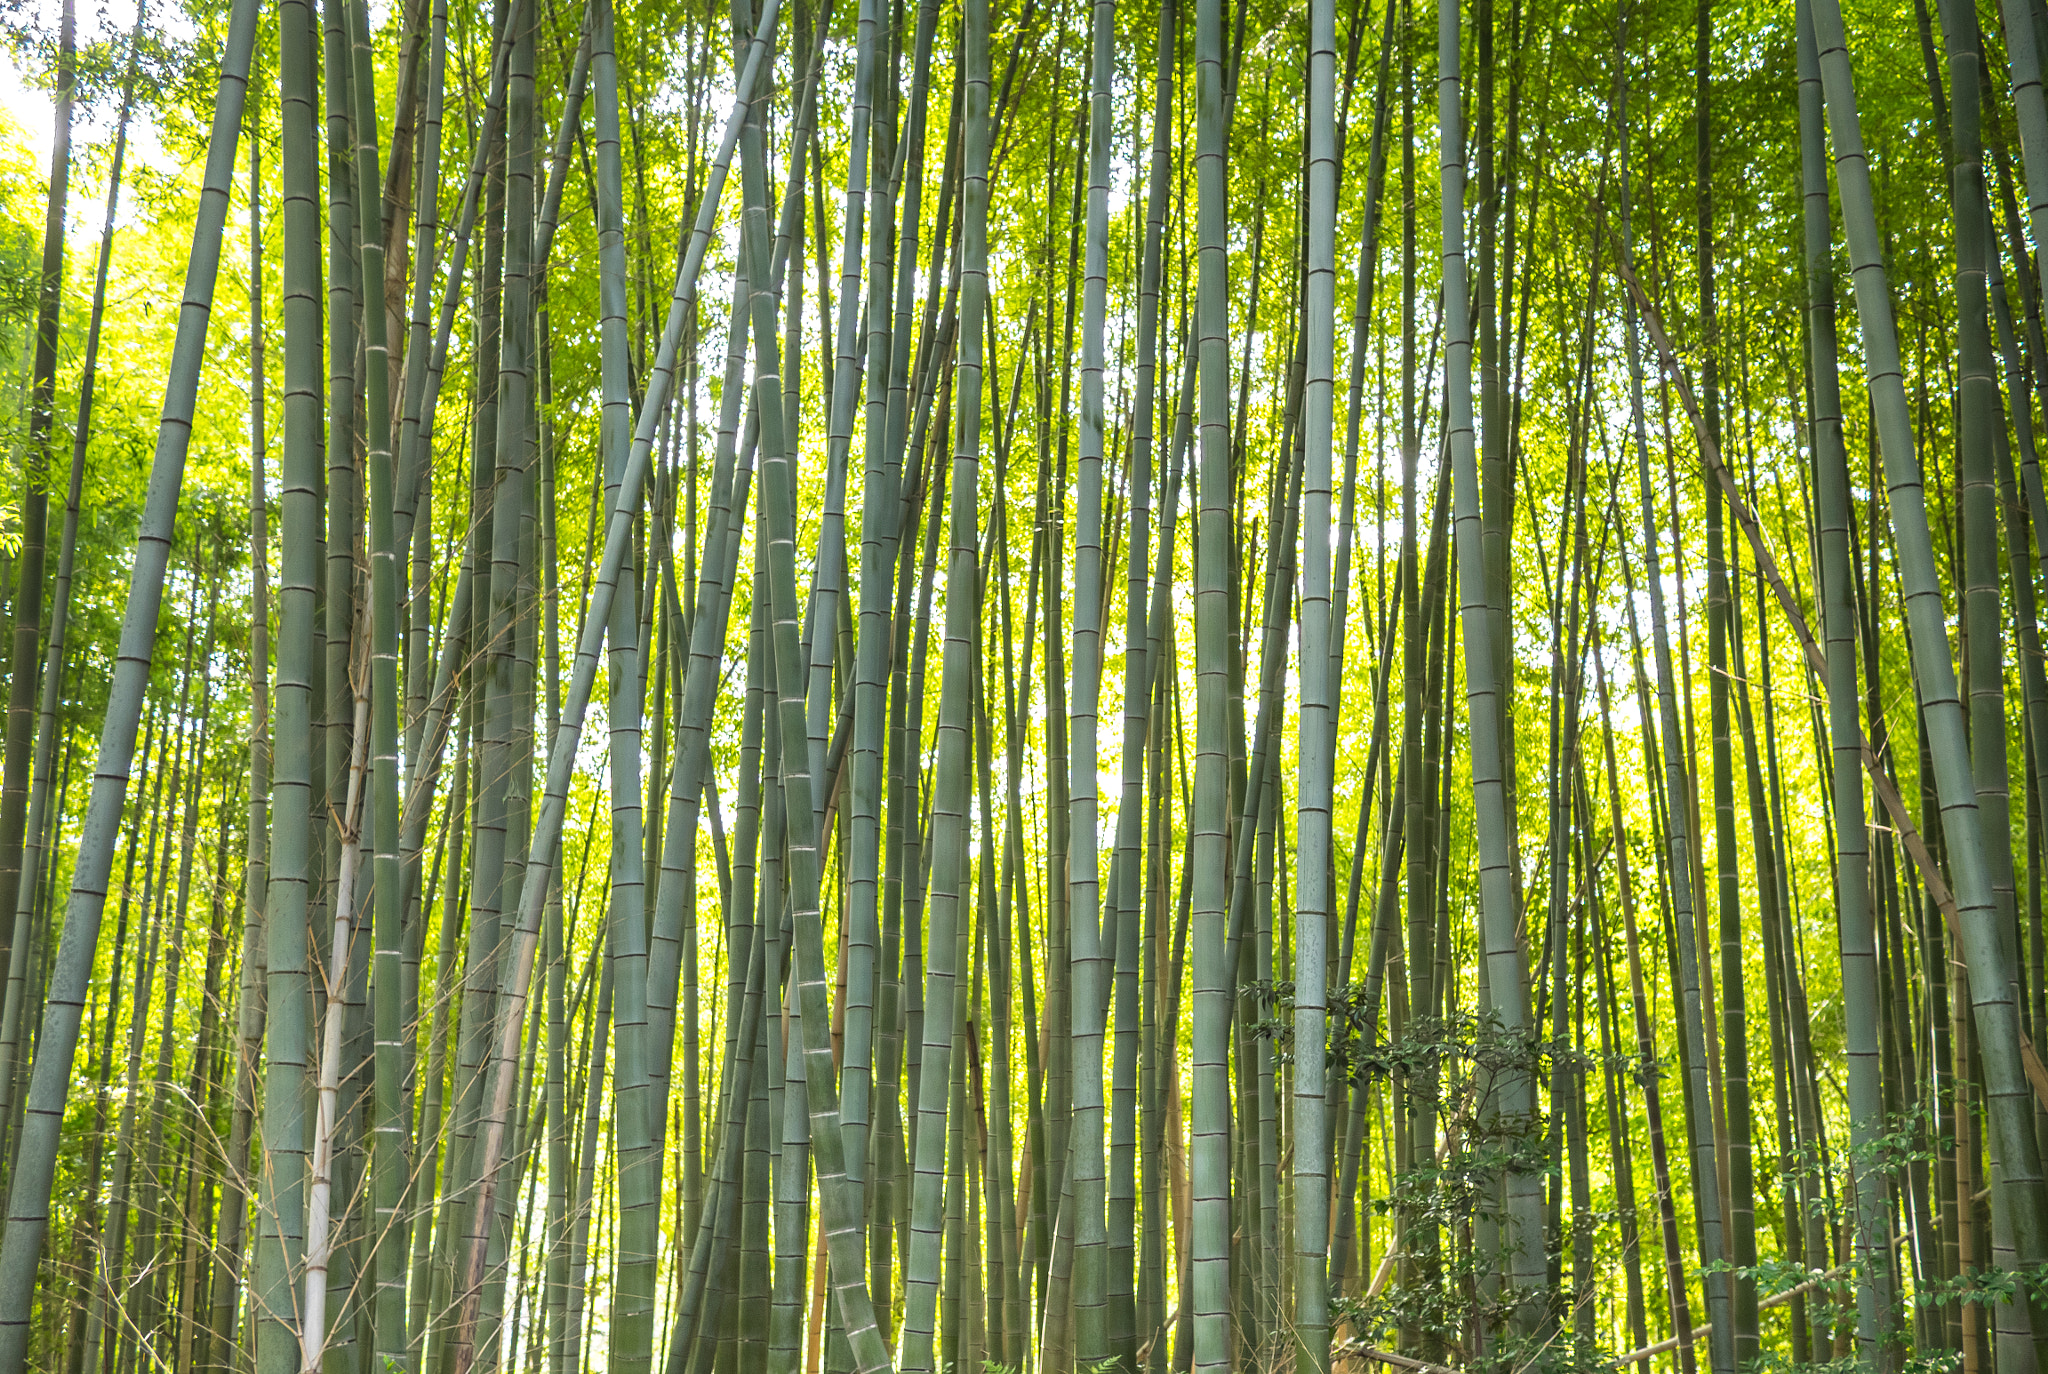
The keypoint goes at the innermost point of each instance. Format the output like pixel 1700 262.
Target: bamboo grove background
pixel 865 684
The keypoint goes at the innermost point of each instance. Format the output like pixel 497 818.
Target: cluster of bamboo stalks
pixel 867 1000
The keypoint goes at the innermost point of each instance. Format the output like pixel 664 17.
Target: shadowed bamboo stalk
pixel 561 756
pixel 1506 974
pixel 16 775
pixel 1845 728
pixel 1994 1006
pixel 1211 1009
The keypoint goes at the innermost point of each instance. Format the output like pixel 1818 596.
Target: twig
pixel 1880 781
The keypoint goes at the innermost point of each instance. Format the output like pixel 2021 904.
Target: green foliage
pixel 1443 1208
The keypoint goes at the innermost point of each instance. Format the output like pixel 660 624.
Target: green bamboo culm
pixel 634 1299
pixel 838 1217
pixel 1874 1333
pixel 1314 798
pixel 37 853
pixel 1089 955
pixel 2009 1107
pixel 951 775
pixel 1979 428
pixel 547 829
pixel 1210 1131
pixel 16 773
pixel 32 1175
pixel 281 1194
pixel 388 1166
pixel 1507 977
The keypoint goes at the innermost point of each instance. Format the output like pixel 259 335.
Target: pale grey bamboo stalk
pixel 1317 762
pixel 321 1224
pixel 1090 977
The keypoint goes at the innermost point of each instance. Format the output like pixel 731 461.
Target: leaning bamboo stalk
pixel 34 1168
pixel 41 780
pixel 561 756
pixel 1925 864
pixel 1980 427
pixel 1816 1283
pixel 1852 865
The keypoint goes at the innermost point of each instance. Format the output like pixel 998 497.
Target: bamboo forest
pixel 1024 686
